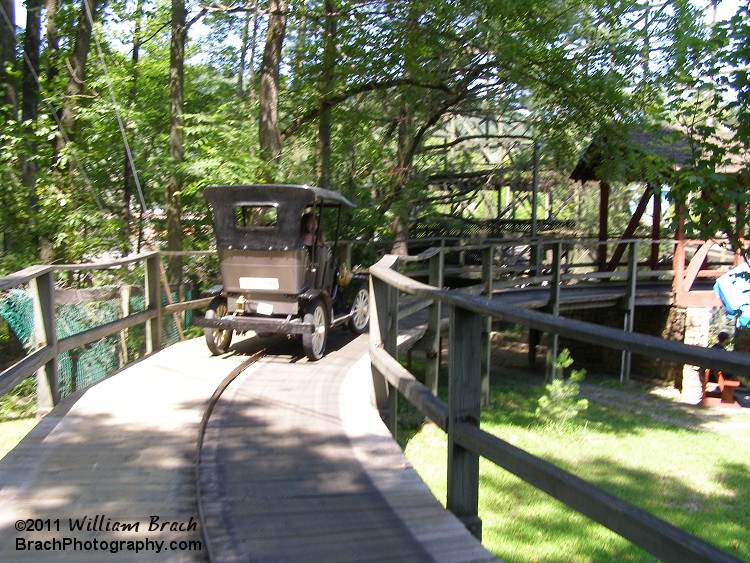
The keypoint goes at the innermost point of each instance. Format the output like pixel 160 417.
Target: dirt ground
pixel 656 399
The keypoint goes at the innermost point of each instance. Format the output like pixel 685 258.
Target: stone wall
pixel 662 321
pixel 697 330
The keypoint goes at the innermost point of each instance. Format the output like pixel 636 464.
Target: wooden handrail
pixel 45 311
pixel 609 337
pixel 43 359
pixel 460 418
pixel 466 439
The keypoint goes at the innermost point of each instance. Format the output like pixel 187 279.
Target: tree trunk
pixel 76 81
pixel 176 141
pixel 326 88
pixel 300 32
pixel 253 45
pixel 404 157
pixel 8 109
pixel 53 39
pixel 270 136
pixel 53 52
pixel 77 72
pixel 30 84
pixel 129 176
pixel 29 114
pixel 8 87
pixel 243 56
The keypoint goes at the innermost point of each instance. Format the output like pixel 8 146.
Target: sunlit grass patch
pixel 692 478
pixel 12 432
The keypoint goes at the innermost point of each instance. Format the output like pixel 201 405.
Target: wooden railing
pixel 42 359
pixel 470 314
pixel 511 262
pixel 459 418
pixel 686 274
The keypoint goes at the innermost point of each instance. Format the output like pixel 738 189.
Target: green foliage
pixel 12 432
pixel 711 101
pixel 398 80
pixel 20 402
pixel 560 403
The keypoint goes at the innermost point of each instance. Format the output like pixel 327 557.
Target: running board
pixel 338 321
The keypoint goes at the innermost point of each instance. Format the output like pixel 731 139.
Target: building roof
pixel 635 147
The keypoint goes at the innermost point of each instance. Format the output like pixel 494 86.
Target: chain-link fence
pixel 80 367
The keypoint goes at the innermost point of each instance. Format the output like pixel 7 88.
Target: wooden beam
pixel 464 406
pixel 695 265
pixel 170 301
pixel 657 536
pixel 384 334
pixel 678 256
pixel 703 298
pixel 630 229
pixel 419 395
pixel 45 335
pixel 153 303
pixel 655 231
pixel 601 250
pixel 432 336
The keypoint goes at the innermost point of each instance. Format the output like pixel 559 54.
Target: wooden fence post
pixel 535 336
pixel 125 302
pixel 488 272
pixel 153 301
pixel 464 397
pixel 432 335
pixel 629 305
pixel 384 333
pixel 45 335
pixel 554 306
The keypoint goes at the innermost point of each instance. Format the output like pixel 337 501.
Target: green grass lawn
pixel 12 432
pixel 17 415
pixel 696 479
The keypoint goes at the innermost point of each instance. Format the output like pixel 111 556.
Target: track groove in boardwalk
pixel 297 465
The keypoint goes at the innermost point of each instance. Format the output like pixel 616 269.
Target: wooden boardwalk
pixel 295 452
pixel 296 465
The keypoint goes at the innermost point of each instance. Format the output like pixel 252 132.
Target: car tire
pixel 314 343
pixel 217 340
pixel 360 312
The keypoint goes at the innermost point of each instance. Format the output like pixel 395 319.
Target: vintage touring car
pixel 279 274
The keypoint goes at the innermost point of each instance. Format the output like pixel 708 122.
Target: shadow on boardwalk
pixel 111 473
pixel 298 466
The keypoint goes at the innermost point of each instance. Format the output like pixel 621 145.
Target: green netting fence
pixel 84 366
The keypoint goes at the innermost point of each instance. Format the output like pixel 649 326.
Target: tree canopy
pixel 115 114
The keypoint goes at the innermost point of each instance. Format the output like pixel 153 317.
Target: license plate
pixel 265 309
pixel 259 283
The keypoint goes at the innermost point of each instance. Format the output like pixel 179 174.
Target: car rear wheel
pixel 217 340
pixel 314 343
pixel 360 312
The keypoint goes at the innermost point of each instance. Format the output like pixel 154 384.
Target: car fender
pixel 214 290
pixel 313 294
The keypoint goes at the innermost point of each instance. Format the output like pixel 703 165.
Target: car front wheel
pixel 360 312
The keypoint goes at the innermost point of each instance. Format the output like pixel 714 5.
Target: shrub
pixel 560 403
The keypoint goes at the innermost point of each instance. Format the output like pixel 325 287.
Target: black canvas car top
pixel 276 210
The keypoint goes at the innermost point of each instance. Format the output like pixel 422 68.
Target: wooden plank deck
pixel 120 452
pixel 297 465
